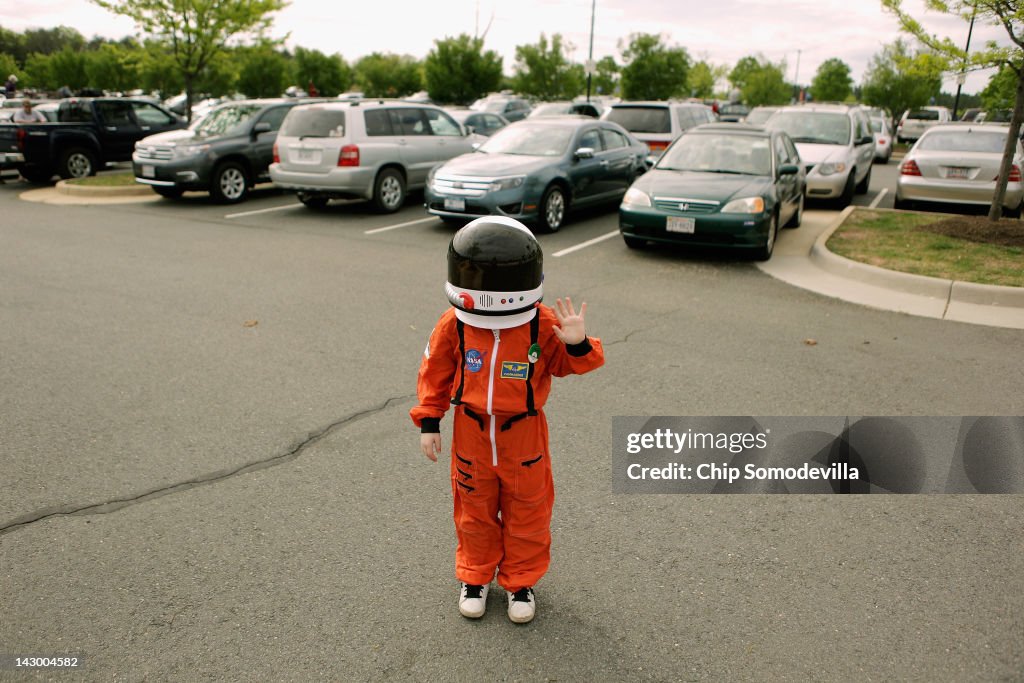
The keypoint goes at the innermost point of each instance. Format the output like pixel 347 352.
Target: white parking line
pixel 874 204
pixel 584 245
pixel 399 225
pixel 253 213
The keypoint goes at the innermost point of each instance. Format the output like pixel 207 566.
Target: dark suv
pixel 225 153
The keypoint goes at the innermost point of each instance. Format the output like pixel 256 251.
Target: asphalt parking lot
pixel 211 473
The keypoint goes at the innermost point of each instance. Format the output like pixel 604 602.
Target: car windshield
pixel 230 120
pixel 314 123
pixel 493 106
pixel 924 115
pixel 718 153
pixel 876 125
pixel 530 140
pixel 758 116
pixel 970 140
pixel 552 109
pixel 642 119
pixel 822 128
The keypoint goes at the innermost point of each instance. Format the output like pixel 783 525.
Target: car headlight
pixel 508 183
pixel 635 197
pixel 185 151
pixel 829 168
pixel 745 205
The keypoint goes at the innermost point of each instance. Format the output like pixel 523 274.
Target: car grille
pixel 158 153
pixel 462 187
pixel 681 205
pixel 471 209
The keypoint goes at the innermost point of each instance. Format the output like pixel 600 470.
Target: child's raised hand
pixel 570 328
pixel 430 444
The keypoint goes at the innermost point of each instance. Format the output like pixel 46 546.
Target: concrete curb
pixel 64 187
pixel 952 291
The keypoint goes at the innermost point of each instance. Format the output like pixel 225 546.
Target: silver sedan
pixel 958 164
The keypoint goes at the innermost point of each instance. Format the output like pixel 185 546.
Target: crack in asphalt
pixel 116 504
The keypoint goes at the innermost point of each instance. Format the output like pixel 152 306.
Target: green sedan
pixel 719 185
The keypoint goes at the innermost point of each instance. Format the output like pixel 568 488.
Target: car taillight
pixel 881 141
pixel 655 146
pixel 277 157
pixel 909 167
pixel 1014 174
pixel 349 156
pixel 21 139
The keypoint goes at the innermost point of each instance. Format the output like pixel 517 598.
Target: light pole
pixel 796 76
pixel 590 54
pixel 960 77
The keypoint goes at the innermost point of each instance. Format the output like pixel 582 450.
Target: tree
pixel 263 71
pixel 329 73
pixel 1009 15
pixel 67 67
pixel 606 79
pixel 760 81
pixel 458 70
pixel 1000 91
pixel 196 31
pixel 49 40
pixel 111 67
pixel 38 74
pixel 8 65
pixel 388 75
pixel 653 71
pixel 703 77
pixel 832 82
pixel 157 70
pixel 898 80
pixel 543 71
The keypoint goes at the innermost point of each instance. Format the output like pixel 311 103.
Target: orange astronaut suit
pixel 500 459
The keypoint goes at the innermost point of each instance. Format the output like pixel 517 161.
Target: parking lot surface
pixel 210 472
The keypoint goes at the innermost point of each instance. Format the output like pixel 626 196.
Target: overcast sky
pixel 721 31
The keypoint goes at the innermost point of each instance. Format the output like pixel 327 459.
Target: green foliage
pixel 9 66
pixel 897 79
pixel 157 70
pixel 262 71
pixel 388 75
pixel 197 31
pixel 543 71
pixel 67 67
pixel 703 77
pixel 760 81
pixel 458 70
pixel 832 82
pixel 329 73
pixel 653 71
pixel 1001 90
pixel 37 71
pixel 606 79
pixel 111 67
pixel 12 44
pixel 50 40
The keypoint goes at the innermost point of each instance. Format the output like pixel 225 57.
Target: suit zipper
pixel 490 396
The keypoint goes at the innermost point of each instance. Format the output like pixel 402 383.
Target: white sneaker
pixel 522 605
pixel 472 600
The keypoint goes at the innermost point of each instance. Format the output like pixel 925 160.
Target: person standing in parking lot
pixel 11 86
pixel 26 114
pixel 492 355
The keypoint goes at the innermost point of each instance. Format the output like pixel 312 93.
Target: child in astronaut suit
pixel 492 356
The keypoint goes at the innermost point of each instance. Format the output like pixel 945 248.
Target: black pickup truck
pixel 89 133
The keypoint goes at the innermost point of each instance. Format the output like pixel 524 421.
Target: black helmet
pixel 495 272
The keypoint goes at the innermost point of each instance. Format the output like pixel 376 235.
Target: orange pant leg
pixel 476 494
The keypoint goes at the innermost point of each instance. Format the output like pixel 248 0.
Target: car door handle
pixel 145 127
pixel 111 128
pixel 604 162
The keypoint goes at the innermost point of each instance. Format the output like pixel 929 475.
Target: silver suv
pixel 376 150
pixel 659 123
pixel 836 145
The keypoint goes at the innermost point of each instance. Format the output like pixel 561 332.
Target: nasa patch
pixel 474 360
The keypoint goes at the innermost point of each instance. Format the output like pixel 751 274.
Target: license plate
pixel 677 224
pixel 454 204
pixel 306 155
pixel 957 173
pixel 148 171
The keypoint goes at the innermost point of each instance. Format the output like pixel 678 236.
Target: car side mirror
pixel 866 140
pixel 261 127
pixel 585 153
pixel 789 169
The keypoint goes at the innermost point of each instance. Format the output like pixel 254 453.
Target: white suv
pixel 916 121
pixel 835 143
pixel 658 124
pixel 376 150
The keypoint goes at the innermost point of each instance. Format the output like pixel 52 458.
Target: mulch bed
pixel 1006 232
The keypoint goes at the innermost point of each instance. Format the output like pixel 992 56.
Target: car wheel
pixel 765 252
pixel 634 242
pixel 389 191
pixel 862 186
pixel 313 201
pixel 1013 213
pixel 39 176
pixel 846 198
pixel 552 209
pixel 76 163
pixel 169 192
pixel 798 216
pixel 230 183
